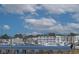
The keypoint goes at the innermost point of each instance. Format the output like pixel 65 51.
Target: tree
pixel 5 36
pixel 18 35
pixel 72 34
pixel 51 34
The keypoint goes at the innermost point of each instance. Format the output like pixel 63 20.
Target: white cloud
pixel 47 24
pixel 6 27
pixel 52 8
pixel 57 28
pixel 76 17
pixel 20 8
pixel 35 33
pixel 40 23
pixel 70 27
pixel 44 24
pixel 50 25
pixel 61 8
pixel 73 25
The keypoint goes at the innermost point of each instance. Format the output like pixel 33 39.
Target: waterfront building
pixel 38 43
pixel 4 41
pixel 71 39
pixel 17 41
pixel 42 40
pixel 76 38
pixel 48 40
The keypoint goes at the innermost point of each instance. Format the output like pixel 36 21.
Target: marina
pixel 32 49
pixel 39 44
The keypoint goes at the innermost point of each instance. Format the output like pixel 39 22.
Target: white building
pixel 4 41
pixel 17 41
pixel 50 40
pixel 43 40
pixel 76 38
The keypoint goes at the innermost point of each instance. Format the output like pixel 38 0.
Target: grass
pixel 71 52
pixel 74 51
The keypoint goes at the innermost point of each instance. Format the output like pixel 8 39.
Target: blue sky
pixel 37 19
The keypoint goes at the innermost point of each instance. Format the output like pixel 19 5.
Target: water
pixel 30 46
